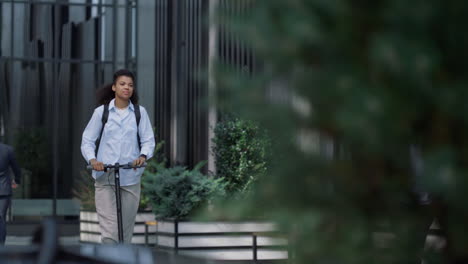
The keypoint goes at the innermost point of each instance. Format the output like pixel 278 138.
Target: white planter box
pixel 222 240
pixel 90 233
pixel 211 240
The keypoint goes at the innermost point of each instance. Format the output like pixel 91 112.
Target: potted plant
pixel 177 194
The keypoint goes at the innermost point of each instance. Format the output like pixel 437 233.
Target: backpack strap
pixel 105 116
pixel 138 117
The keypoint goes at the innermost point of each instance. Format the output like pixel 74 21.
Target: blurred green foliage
pixel 31 148
pixel 240 152
pixel 33 155
pixel 83 190
pixel 346 89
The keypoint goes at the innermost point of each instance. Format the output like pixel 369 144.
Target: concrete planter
pixel 250 240
pixel 90 233
pixel 222 240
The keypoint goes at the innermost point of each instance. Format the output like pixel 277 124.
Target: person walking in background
pixel 7 161
pixel 126 135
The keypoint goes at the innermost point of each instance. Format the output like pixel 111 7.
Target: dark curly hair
pixel 105 94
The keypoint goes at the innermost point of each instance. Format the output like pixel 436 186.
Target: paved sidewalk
pixel 71 244
pixel 26 240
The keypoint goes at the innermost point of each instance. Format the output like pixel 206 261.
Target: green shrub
pixel 32 150
pixel 33 155
pixel 177 192
pixel 158 159
pixel 83 190
pixel 241 153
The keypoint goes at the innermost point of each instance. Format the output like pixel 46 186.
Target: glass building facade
pixel 53 57
pixel 54 54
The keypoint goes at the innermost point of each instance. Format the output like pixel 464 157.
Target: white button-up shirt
pixel 119 142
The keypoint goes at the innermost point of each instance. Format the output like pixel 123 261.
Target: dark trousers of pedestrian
pixel 4 204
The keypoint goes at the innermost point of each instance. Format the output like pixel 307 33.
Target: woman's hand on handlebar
pixel 97 165
pixel 140 161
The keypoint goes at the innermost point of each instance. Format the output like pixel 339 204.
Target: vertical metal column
pixel 178 131
pixel 168 48
pixel 12 54
pixel 101 56
pixel 56 94
pixel 188 48
pixel 213 46
pixel 135 66
pixel 114 36
pixel 126 35
pixel 176 236
pixel 254 247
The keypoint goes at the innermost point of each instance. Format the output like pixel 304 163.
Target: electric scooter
pixel 116 168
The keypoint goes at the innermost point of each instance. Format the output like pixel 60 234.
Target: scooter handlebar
pixel 120 166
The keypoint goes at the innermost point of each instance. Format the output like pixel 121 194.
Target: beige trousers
pixel 106 208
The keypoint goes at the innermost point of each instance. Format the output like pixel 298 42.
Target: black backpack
pixel 105 116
